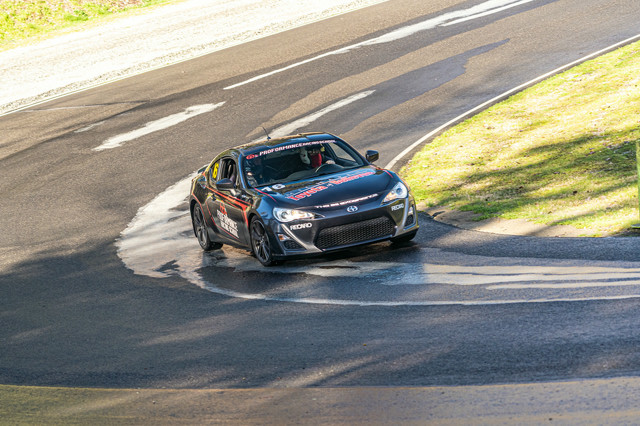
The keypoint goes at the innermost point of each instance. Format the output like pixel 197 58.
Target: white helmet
pixel 304 156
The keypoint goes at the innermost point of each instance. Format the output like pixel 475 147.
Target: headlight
pixel 398 192
pixel 287 215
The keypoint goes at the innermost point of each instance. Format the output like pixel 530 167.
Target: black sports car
pixel 299 195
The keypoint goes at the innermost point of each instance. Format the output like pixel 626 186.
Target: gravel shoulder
pixel 469 221
pixel 147 40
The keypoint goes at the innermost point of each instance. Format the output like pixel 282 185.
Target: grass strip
pixel 26 20
pixel 562 152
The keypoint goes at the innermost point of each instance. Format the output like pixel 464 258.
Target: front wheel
pixel 200 229
pixel 260 244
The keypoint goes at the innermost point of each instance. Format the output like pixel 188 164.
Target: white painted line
pixel 581 280
pixel 485 13
pixel 450 18
pixel 385 303
pixel 290 128
pixel 485 275
pixel 157 125
pixel 503 96
pixel 559 286
pixel 89 127
pixel 160 234
pixel 230 259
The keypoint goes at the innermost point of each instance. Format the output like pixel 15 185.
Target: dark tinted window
pixel 298 161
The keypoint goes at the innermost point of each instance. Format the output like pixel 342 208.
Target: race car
pixel 305 194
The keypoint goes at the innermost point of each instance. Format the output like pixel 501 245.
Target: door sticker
pixel 226 223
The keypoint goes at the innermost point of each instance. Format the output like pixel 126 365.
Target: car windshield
pixel 299 161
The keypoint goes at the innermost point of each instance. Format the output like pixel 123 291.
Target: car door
pixel 227 205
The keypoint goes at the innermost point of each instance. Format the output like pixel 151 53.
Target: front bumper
pixel 337 229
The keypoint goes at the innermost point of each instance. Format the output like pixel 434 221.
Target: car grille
pixel 356 232
pixel 410 220
pixel 292 245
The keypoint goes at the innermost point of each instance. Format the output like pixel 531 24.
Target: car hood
pixel 335 189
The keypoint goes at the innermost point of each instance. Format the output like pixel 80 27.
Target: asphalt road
pixel 74 315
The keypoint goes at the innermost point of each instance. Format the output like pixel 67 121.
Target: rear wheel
pixel 260 244
pixel 201 231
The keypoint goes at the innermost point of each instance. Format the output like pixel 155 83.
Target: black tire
pixel 260 244
pixel 404 238
pixel 201 231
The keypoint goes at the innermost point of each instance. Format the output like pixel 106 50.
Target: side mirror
pixel 225 184
pixel 372 156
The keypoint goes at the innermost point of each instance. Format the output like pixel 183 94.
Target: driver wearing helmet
pixel 313 156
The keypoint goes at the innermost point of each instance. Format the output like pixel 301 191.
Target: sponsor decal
pixel 344 203
pixel 300 226
pixel 287 147
pixel 309 191
pixel 350 178
pixel 397 207
pixel 225 223
pixel 275 187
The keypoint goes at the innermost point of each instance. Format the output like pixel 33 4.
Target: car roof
pixel 286 140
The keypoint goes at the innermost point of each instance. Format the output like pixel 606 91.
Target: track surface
pixel 424 314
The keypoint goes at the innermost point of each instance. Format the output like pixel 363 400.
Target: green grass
pixel 561 152
pixel 27 20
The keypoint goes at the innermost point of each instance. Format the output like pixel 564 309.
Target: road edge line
pixel 502 97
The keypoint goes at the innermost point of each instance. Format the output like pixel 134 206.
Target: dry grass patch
pixel 22 20
pixel 561 152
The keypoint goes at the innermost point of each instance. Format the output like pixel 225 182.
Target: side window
pixel 341 156
pixel 228 170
